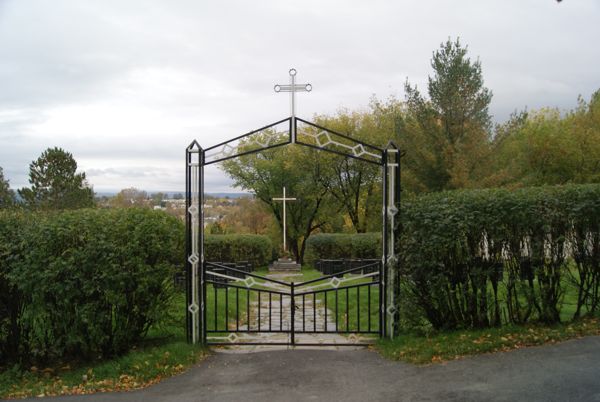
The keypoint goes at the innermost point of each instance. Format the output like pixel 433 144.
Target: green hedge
pixel 13 244
pixel 238 247
pixel 486 257
pixel 340 245
pixel 88 282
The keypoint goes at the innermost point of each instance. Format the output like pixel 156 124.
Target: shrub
pixel 13 226
pixel 93 281
pixel 341 245
pixel 238 247
pixel 471 257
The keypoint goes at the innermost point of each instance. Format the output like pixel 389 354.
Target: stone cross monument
pixel 284 199
pixel 284 264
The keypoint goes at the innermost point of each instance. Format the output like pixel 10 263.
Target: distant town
pixel 223 212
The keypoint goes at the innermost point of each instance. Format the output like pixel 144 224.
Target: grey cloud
pixel 205 70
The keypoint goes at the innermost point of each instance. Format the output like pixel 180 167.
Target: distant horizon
pixel 233 194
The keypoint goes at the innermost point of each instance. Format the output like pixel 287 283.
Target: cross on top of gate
pixel 292 88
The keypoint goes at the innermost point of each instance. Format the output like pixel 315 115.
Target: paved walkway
pixel 569 371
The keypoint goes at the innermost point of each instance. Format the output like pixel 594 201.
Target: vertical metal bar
pixel 202 287
pixel 347 311
pixel 358 307
pixel 303 314
pixel 315 311
pixel 336 310
pixel 270 309
pixel 383 278
pixel 397 233
pixel 369 308
pixel 248 308
pixel 237 309
pixel 325 293
pixel 216 307
pixel 188 235
pixel 281 312
pixel 293 305
pixel 259 310
pixel 226 308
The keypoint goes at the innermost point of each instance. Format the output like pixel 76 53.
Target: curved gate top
pixel 226 303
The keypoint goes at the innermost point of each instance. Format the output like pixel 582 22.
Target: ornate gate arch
pixel 202 275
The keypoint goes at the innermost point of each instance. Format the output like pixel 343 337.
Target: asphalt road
pixel 569 371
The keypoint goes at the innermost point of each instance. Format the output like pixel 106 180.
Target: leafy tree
pixel 297 168
pixel 130 197
pixel 448 134
pixel 157 198
pixel 55 183
pixel 249 215
pixel 7 196
pixel 549 147
pixel 355 185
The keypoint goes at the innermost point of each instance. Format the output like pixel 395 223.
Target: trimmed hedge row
pixel 238 247
pixel 486 257
pixel 340 246
pixel 84 283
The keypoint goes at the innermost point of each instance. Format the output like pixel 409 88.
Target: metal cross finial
pixel 292 88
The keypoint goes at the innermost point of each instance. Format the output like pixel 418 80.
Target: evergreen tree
pixel 55 183
pixel 7 196
pixel 451 130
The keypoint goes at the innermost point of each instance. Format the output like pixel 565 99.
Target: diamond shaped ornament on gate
pixel 193 259
pixel 193 308
pixel 249 282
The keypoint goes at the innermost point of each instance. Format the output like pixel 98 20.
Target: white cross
pixel 292 88
pixel 284 199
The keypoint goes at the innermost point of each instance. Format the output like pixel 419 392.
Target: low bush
pixel 341 245
pixel 484 257
pixel 13 228
pixel 238 247
pixel 91 282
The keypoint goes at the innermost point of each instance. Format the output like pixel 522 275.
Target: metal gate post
pixel 384 242
pixel 392 237
pixel 194 237
pixel 293 307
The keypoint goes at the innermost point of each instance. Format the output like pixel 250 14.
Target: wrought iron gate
pixel 339 309
pixel 224 282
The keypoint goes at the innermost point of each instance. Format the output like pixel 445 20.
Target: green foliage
pixel 339 245
pixel 7 196
pixel 164 352
pixel 549 147
pixel 450 345
pixel 239 247
pixel 91 281
pixel 14 226
pixel 55 184
pixel 480 258
pixel 447 135
pixel 354 185
pixel 265 174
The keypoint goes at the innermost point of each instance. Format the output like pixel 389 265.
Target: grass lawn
pixel 163 353
pixel 217 314
pixel 350 307
pixel 444 346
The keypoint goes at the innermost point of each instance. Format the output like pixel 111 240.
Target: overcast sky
pixel 126 85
